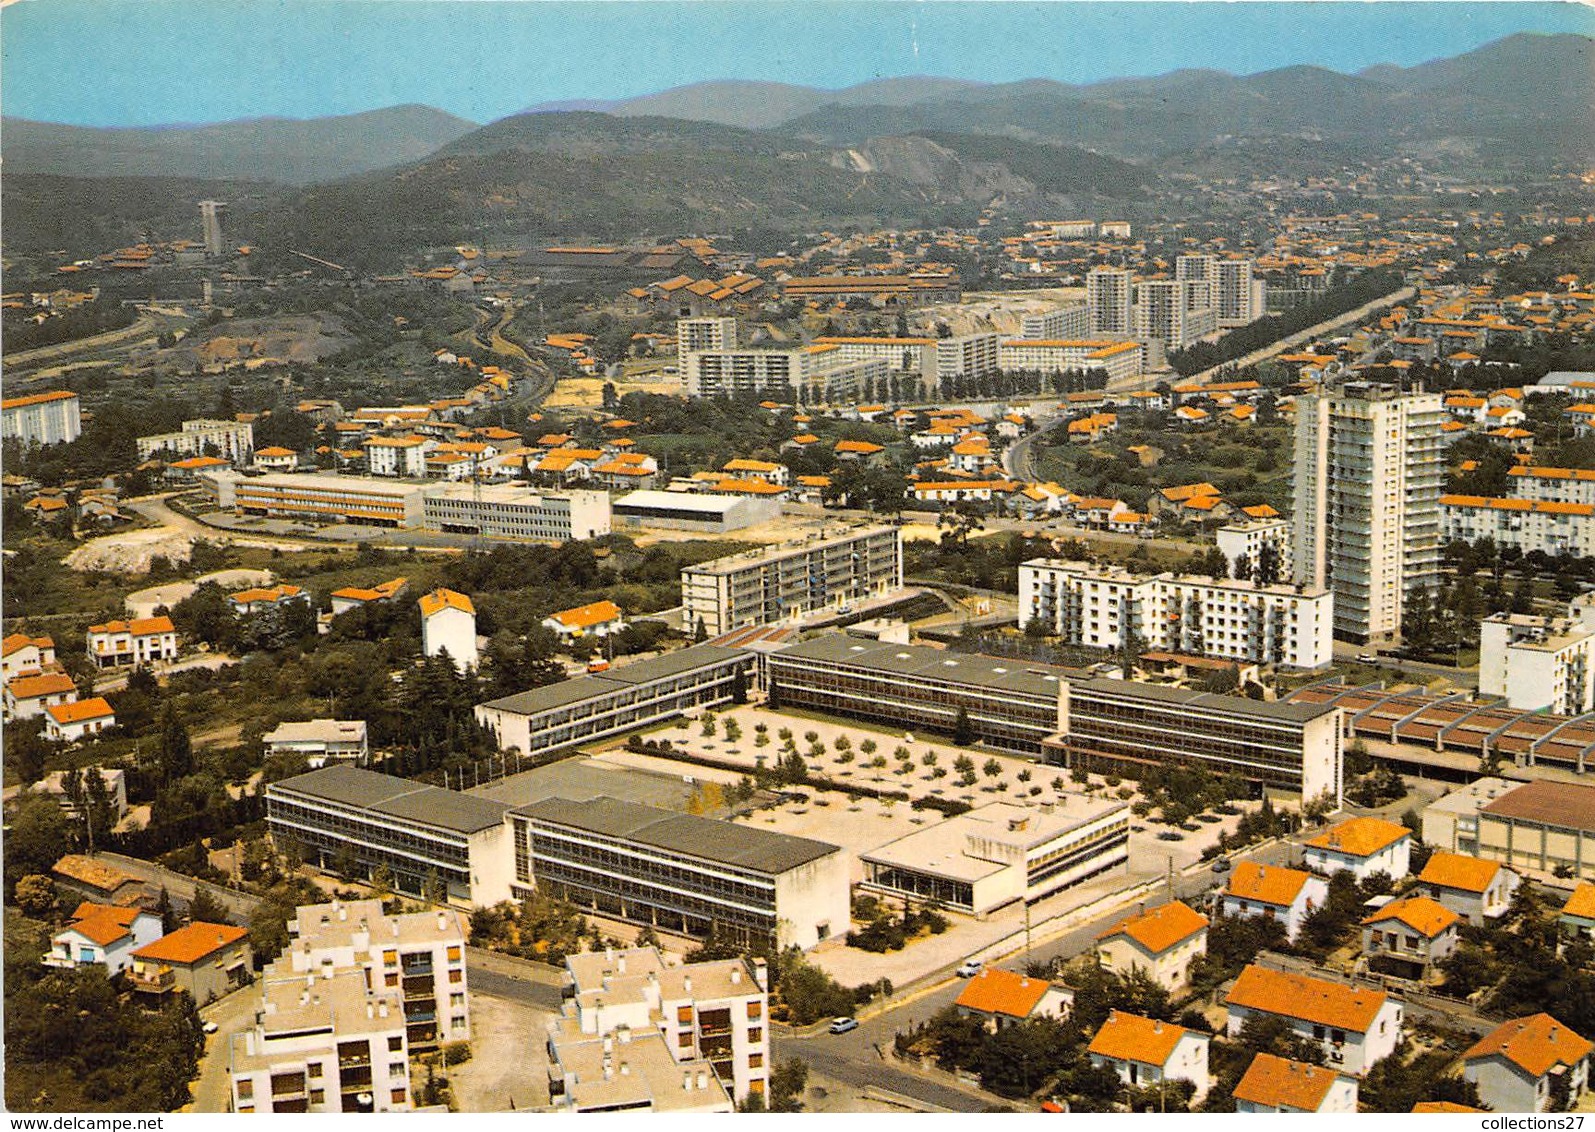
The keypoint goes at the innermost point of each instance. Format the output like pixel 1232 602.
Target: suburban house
pixel 1517 1065
pixel 69 722
pixel 53 786
pixel 1276 1084
pixel 1474 889
pixel 321 741
pixel 1578 914
pixel 1361 846
pixel 1144 1051
pixel 21 653
pixel 260 599
pixel 1161 941
pixel 206 960
pixel 1001 998
pixel 1412 935
pixel 1355 1025
pixel 103 934
pixel 97 881
pixel 356 597
pixel 598 619
pixel 1274 892
pixel 139 641
pixel 27 697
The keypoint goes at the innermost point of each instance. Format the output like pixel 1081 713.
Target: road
pixel 1304 336
pixel 144 326
pixel 1016 458
pixel 239 905
pixel 519 980
pixel 1461 677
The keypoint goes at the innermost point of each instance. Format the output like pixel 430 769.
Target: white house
pixel 1001 998
pixel 1275 1084
pixel 402 456
pixel 1144 1051
pixel 103 934
pixel 321 741
pixel 448 622
pixel 1161 941
pixel 1355 1025
pixel 21 653
pixel 1274 892
pixel 67 723
pixel 1362 847
pixel 260 599
pixel 1414 933
pixel 599 619
pixel 27 697
pixel 1515 1066
pixel 1474 889
pixel 276 459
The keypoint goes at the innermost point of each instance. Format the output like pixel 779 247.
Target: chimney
pixel 1157 1027
pixel 623 1033
pixel 609 1045
pixel 393 922
pixel 343 913
pixel 609 955
pixel 736 975
pixel 371 1010
pixel 686 1082
pixel 686 983
pixel 620 963
pixel 761 974
pixel 625 1069
pixel 304 998
pixel 382 1009
pixel 443 921
pixel 703 1079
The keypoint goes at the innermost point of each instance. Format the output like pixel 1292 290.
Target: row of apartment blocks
pixel 500 510
pixel 41 418
pixel 1234 619
pixel 779 583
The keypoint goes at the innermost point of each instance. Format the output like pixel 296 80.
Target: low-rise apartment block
pixel 1118 359
pixel 1000 853
pixel 715 1012
pixel 1108 608
pixel 1071 321
pixel 416 832
pixel 811 374
pixel 1538 663
pixel 401 456
pixel 1527 524
pixel 320 741
pixel 143 640
pixel 318 498
pixel 1244 543
pixel 773 584
pixel 233 441
pixel 622 698
pixel 682 874
pixel 1355 1026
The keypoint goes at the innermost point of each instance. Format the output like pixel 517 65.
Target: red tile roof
pixel 1536 1044
pixel 995 991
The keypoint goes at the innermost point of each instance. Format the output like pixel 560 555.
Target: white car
pixel 968 969
pixel 843 1025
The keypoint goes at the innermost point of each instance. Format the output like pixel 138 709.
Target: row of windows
pixel 376 831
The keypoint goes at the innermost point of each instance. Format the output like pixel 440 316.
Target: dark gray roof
pixel 396 797
pixel 704 838
pixel 1232 705
pixel 587 687
pixel 928 663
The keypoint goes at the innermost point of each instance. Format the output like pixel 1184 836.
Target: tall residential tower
pixel 1369 466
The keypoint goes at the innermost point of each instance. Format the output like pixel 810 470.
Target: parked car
pixel 843 1025
pixel 969 969
pixel 1367 658
pixel 1220 865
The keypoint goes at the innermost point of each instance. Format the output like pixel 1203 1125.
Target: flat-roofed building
pixel 1121 726
pixel 320 741
pixel 331 1044
pixel 778 583
pixel 1070 321
pixel 1537 825
pixel 41 418
pixel 696 334
pixel 1118 359
pixel 233 441
pixel 1001 853
pixel 517 512
pixel 914 358
pixel 707 512
pixel 966 356
pixel 1355 1026
pixel 1250 537
pixel 413 830
pixel 811 374
pixel 881 290
pixel 319 498
pixel 1538 662
pixel 1107 608
pixel 1527 524
pixel 1110 296
pixel 679 873
pixel 628 1071
pixel 715 1011
pixel 1012 705
pixel 622 698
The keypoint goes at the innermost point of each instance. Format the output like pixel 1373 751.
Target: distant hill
pixel 288 150
pixel 758 105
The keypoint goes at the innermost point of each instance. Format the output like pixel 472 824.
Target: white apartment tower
pixel 1110 294
pixel 1233 292
pixel 1369 465
pixel 695 334
pixel 1175 311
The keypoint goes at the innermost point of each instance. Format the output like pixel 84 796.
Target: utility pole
pixel 1027 932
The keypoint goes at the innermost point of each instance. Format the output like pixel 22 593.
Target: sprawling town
pixel 1131 658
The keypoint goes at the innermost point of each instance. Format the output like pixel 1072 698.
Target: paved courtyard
pixel 508 1069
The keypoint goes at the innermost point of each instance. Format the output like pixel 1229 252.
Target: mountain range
pixel 741 155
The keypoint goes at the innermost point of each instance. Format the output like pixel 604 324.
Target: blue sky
pixel 149 62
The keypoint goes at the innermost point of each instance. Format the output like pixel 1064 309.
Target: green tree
pixel 963 732
pixel 176 752
pixel 205 908
pixel 35 895
pixel 788 1079
pixel 36 840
